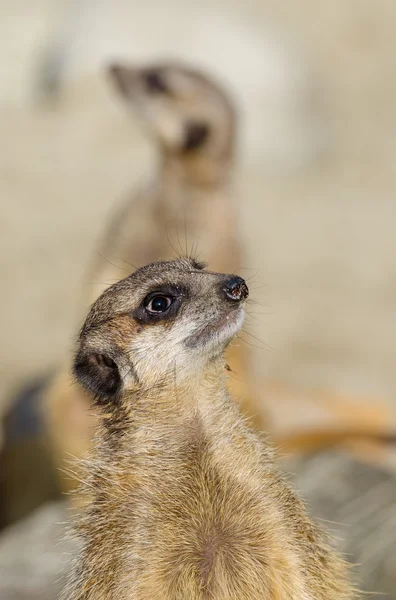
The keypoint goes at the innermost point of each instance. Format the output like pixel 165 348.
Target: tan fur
pixel 187 503
pixel 189 203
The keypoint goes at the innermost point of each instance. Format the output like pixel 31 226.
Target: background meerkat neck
pixel 197 170
pixel 190 210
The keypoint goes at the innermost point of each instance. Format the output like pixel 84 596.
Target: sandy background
pixel 316 85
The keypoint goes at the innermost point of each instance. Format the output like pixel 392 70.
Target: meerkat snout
pixel 167 316
pixel 235 289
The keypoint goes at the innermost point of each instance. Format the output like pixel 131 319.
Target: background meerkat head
pixel 186 111
pixel 163 323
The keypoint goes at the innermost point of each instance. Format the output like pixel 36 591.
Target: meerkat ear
pixel 99 374
pixel 195 135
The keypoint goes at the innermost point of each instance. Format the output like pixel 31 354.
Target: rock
pixel 356 502
pixel 35 554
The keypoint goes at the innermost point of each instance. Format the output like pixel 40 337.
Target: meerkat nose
pixel 235 288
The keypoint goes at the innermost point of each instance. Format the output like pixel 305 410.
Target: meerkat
pixel 190 199
pixel 186 501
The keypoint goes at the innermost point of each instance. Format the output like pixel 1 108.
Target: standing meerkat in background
pixel 186 502
pixel 190 200
pixel 193 122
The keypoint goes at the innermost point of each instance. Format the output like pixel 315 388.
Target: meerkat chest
pixel 202 531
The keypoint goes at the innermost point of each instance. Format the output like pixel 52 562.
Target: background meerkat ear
pixel 195 135
pixel 98 373
pixel 122 77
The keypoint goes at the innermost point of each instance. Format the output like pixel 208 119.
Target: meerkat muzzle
pixel 235 289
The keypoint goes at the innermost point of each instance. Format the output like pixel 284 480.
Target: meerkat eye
pixel 158 304
pixel 155 83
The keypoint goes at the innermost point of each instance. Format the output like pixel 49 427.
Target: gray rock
pixel 357 503
pixel 35 554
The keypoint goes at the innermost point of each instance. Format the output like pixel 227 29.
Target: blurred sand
pixel 318 176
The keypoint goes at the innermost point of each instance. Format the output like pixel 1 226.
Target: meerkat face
pixel 187 112
pixel 167 320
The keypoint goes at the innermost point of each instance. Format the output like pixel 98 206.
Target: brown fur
pixel 187 503
pixel 189 202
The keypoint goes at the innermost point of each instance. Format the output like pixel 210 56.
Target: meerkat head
pixel 165 322
pixel 187 112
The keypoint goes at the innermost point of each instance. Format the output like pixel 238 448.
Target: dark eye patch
pixel 160 304
pixel 196 134
pixel 155 82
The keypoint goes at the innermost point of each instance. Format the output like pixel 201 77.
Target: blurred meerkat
pixel 193 122
pixel 186 502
